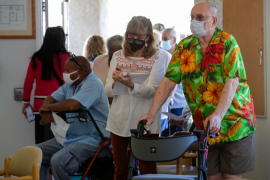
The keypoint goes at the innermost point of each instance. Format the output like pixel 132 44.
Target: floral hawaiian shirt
pixel 204 76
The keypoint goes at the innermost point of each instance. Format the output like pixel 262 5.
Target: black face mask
pixel 136 47
pixel 136 44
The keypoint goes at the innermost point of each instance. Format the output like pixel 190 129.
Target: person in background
pixel 210 65
pixel 93 47
pixel 159 27
pixel 139 55
pixel 101 64
pixel 158 40
pixel 178 101
pixel 46 68
pixel 185 124
pixel 167 59
pixel 169 40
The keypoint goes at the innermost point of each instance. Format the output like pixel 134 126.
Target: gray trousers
pixel 64 161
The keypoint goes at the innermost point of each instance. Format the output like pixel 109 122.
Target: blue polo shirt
pixel 90 93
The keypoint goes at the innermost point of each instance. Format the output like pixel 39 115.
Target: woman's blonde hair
pixel 94 46
pixel 140 26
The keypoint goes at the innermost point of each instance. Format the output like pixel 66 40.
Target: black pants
pixel 42 132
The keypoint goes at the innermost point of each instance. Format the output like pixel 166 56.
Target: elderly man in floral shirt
pixel 210 65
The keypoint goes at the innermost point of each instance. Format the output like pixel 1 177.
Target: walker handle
pixel 139 132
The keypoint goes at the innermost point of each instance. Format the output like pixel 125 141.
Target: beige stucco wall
pixel 86 17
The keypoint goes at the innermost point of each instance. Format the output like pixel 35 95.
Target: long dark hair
pixel 54 43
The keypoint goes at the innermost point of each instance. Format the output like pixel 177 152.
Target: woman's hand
pixel 126 80
pixel 116 73
pixel 24 107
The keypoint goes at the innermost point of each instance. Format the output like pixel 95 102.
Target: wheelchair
pixel 165 149
pixel 94 167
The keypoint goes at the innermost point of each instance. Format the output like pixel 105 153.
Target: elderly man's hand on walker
pixel 215 122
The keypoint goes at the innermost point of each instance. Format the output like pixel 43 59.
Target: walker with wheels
pixel 165 149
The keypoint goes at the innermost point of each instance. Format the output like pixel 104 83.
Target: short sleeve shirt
pixel 90 93
pixel 204 76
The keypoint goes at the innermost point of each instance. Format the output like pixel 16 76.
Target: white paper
pixel 59 128
pixel 173 116
pixel 13 15
pixel 121 89
pixel 139 78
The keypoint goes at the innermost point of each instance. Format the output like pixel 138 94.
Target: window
pixel 55 14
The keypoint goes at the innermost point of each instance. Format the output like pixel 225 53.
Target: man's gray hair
pixel 212 7
pixel 116 40
pixel 172 32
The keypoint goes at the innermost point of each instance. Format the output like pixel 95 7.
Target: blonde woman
pixel 138 55
pixel 94 46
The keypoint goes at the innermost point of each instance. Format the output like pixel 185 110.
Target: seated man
pixel 82 90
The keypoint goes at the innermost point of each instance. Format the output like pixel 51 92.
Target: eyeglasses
pixel 137 41
pixel 199 17
pixel 81 119
pixel 72 58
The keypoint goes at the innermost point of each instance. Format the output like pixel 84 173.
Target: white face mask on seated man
pixel 67 78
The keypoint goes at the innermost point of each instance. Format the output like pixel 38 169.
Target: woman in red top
pixel 46 67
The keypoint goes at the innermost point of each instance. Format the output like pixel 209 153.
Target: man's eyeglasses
pixel 72 58
pixel 199 17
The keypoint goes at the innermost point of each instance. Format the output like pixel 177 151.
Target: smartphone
pixel 30 114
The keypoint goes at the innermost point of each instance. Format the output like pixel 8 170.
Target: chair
pixel 24 164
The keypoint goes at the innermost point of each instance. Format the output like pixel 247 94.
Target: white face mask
pixel 67 78
pixel 197 28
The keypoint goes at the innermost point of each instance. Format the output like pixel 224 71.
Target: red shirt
pixel 43 88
